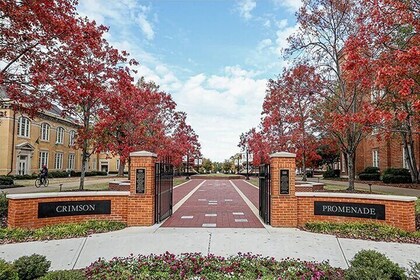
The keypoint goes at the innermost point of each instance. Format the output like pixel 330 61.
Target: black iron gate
pixel 164 176
pixel 264 186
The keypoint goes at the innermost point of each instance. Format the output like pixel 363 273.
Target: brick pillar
pixel 141 202
pixel 283 201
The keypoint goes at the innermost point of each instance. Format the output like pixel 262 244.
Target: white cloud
pixel 119 13
pixel 145 25
pixel 245 8
pixel 220 107
pixel 291 5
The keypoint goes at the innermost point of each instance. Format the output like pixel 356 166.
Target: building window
pixel 43 159
pixel 60 135
pixel 23 127
pixel 118 164
pixel 70 165
pixel 45 132
pixel 58 162
pixel 72 137
pixel 375 158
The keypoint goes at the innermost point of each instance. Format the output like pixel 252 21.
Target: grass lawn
pixel 254 181
pixel 179 180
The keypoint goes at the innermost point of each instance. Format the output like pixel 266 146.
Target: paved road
pixel 214 204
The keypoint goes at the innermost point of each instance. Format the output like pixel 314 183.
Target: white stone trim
pixel 283 155
pixel 67 194
pixel 142 154
pixel 357 195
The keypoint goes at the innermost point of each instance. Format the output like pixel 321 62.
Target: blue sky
pixel 214 57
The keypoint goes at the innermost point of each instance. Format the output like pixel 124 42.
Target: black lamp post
pixel 188 167
pixel 247 165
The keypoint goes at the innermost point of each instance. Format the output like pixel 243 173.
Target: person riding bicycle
pixel 44 174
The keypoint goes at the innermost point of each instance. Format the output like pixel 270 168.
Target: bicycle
pixel 38 182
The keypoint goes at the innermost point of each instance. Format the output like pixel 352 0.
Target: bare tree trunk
pixel 410 156
pixel 351 159
pixel 85 157
pixel 304 178
pixel 121 168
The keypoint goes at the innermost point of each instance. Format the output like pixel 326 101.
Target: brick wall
pixel 119 186
pixel 133 208
pixel 283 206
pixel 297 208
pixel 23 213
pixel 398 213
pixel 141 211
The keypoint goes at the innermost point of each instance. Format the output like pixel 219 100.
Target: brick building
pixel 382 153
pixel 28 143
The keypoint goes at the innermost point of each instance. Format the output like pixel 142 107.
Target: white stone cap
pixel 66 194
pixel 143 154
pixel 357 195
pixel 283 155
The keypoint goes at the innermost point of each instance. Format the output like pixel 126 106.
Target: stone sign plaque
pixel 140 180
pixel 284 181
pixel 347 209
pixel 73 208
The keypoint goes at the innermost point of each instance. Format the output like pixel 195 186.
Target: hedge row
pixel 370 173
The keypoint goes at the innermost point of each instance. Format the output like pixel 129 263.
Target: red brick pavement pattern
pixel 252 193
pixel 200 204
pixel 181 191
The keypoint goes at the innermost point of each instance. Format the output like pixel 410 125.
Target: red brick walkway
pixel 249 191
pixel 216 204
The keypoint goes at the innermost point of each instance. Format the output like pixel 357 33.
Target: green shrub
pixel 3 209
pixel 397 171
pixel 331 173
pixel 6 180
pixel 369 264
pixel 64 275
pixel 369 177
pixel 58 174
pixel 31 267
pixel 371 170
pixel 7 271
pixel 396 179
pixel 396 175
pixel 25 177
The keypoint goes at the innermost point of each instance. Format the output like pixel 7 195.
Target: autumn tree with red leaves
pixel 85 76
pixel 183 141
pixel 256 144
pixel 135 119
pixel 385 56
pixel 31 34
pixel 324 27
pixel 292 100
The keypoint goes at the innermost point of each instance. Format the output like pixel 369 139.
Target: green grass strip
pixel 59 231
pixel 370 231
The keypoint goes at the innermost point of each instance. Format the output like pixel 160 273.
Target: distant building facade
pixel 381 153
pixel 26 143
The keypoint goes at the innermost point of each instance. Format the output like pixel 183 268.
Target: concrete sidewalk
pixel 375 188
pixel 274 242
